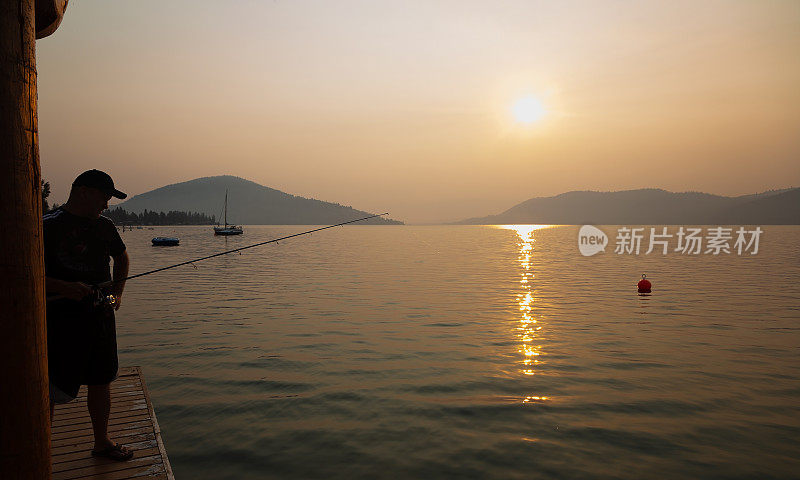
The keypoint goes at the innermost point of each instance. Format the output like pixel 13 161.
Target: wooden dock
pixel 132 423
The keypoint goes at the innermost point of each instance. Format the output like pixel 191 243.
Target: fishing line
pixel 191 262
pixel 274 240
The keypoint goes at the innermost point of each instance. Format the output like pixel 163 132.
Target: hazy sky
pixel 407 106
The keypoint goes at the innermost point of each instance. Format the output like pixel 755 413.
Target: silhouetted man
pixel 81 331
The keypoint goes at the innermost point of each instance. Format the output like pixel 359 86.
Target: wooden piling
pixel 25 428
pixel 25 417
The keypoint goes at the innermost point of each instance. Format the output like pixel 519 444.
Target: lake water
pixel 465 352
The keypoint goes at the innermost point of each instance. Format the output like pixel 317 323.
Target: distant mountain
pixel 654 207
pixel 767 209
pixel 248 203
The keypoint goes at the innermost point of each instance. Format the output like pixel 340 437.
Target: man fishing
pixel 81 332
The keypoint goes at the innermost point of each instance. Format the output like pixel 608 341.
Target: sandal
pixel 115 452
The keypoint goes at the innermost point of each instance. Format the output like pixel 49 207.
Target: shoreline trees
pixel 148 217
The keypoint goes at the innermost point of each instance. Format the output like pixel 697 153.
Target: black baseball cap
pixel 99 180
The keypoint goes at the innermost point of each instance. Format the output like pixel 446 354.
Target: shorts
pixel 81 347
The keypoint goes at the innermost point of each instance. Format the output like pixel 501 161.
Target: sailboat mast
pixel 226 208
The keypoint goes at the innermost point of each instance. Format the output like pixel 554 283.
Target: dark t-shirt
pixel 79 249
pixel 81 336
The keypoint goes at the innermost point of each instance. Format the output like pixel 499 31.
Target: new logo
pixel 591 240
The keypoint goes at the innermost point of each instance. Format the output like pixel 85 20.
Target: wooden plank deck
pixel 132 423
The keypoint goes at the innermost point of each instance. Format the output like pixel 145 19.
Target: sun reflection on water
pixel 528 329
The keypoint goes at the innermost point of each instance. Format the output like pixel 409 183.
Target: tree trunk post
pixel 24 402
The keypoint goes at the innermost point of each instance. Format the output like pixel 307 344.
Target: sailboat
pixel 227 229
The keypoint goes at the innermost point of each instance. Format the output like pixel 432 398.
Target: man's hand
pixel 76 290
pixel 121 262
pixel 117 300
pixel 63 289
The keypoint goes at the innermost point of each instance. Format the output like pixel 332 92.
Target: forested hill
pixel 248 203
pixel 653 207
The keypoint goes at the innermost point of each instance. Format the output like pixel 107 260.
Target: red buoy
pixel 644 285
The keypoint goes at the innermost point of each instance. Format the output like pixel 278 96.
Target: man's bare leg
pixel 98 398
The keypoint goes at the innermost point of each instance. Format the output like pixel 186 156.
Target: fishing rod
pixel 274 240
pixel 102 298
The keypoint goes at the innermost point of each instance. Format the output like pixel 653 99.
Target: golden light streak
pixel 528 328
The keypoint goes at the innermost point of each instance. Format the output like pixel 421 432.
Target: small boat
pixel 165 241
pixel 227 229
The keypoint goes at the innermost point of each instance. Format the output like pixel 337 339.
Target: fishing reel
pixel 101 298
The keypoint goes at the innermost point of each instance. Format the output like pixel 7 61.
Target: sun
pixel 528 110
